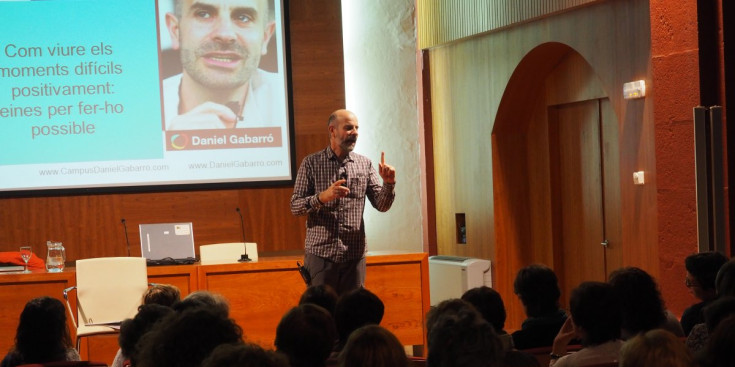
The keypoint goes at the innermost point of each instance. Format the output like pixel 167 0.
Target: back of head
pixel 596 310
pixel 719 349
pixel 647 312
pixel 42 334
pixel 373 346
pixel 725 280
pixel 517 358
pixel 538 288
pixel 162 294
pixel 320 295
pixel 205 299
pixel 704 267
pixel 131 330
pixel 490 305
pixel 718 310
pixel 458 336
pixel 655 348
pixel 306 334
pixel 356 308
pixel 244 355
pixel 185 338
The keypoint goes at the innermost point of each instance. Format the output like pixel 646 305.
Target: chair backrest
pixel 110 289
pixel 227 253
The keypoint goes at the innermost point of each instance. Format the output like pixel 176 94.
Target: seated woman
pixel 595 320
pixel 42 335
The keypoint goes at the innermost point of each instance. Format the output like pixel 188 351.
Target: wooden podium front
pixel 259 294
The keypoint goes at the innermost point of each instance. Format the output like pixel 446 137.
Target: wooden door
pixel 578 201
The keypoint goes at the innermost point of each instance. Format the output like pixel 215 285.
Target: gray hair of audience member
pixel 321 295
pixel 244 355
pixel 204 298
pixel 373 346
pixel 458 336
pixel 725 280
pixel 306 334
pixel 655 348
pixel 162 294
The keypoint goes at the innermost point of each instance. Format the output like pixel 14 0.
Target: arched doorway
pixel 556 172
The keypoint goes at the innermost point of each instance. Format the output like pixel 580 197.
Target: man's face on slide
pixel 221 41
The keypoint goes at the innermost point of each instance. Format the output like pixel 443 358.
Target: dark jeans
pixel 343 277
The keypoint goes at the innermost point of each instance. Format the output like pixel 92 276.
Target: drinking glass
pixel 25 254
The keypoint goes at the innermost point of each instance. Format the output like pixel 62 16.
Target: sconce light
pixel 636 89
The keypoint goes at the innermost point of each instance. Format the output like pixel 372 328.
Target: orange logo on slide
pixel 179 141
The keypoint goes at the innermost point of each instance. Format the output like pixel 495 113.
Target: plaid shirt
pixel 336 230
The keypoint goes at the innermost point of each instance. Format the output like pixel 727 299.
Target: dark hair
pixel 320 295
pixel 538 288
pixel 244 355
pixel 725 280
pixel 595 309
pixel 644 309
pixel 306 334
pixel 204 299
pixel 718 351
pixel 131 330
pixel 356 308
pixel 184 339
pixel 704 267
pixel 458 336
pixel 373 346
pixel 717 311
pixel 490 305
pixel 518 358
pixel 162 294
pixel 42 334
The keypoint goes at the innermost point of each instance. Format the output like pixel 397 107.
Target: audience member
pixel 373 346
pixel 648 311
pixel 702 270
pixel 244 355
pixel 719 349
pixel 595 321
pixel 162 294
pixel 538 289
pixel 205 299
pixel 519 358
pixel 320 295
pixel 716 311
pixel 185 338
pixel 725 279
pixel 354 309
pixel 490 305
pixel 158 294
pixel 655 348
pixel 306 335
pixel 458 336
pixel 131 330
pixel 42 335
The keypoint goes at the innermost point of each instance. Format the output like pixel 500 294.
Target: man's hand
pixel 387 172
pixel 335 191
pixel 565 335
pixel 208 115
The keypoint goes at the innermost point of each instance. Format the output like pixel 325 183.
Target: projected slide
pixel 99 94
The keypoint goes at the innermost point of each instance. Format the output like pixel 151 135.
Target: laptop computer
pixel 167 243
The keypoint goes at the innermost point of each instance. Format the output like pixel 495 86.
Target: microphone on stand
pixel 244 257
pixel 127 240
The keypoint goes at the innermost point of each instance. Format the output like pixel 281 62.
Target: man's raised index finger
pixel 382 158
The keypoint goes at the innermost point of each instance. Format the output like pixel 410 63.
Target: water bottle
pixel 55 257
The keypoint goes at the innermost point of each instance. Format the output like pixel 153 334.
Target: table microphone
pixel 127 240
pixel 244 257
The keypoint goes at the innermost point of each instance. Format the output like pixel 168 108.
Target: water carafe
pixel 55 257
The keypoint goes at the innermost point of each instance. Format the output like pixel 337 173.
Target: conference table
pixel 259 294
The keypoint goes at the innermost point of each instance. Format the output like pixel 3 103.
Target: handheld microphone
pixel 127 240
pixel 343 176
pixel 235 107
pixel 244 257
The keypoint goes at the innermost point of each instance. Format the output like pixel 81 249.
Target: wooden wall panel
pixel 89 225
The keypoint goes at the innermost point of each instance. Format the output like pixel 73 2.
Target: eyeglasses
pixel 690 283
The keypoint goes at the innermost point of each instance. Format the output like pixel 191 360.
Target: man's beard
pixel 348 144
pixel 219 78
